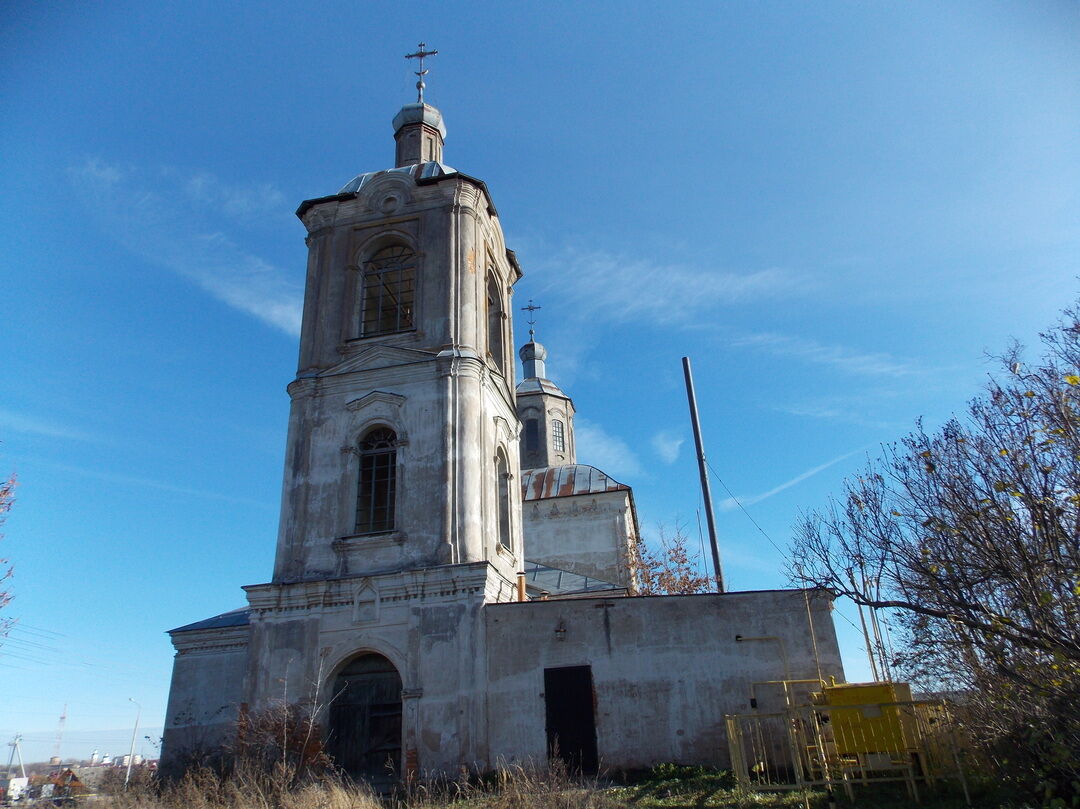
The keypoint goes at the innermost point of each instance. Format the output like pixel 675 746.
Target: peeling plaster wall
pixel 587 534
pixel 206 691
pixel 429 623
pixel 666 669
pixel 434 384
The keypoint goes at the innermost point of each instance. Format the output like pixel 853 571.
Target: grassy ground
pixel 666 787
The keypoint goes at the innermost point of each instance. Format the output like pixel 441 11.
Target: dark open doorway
pixel 571 718
pixel 364 736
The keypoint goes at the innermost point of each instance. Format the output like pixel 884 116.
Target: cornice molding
pixel 424 584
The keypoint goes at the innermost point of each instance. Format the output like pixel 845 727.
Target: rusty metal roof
pixel 566 481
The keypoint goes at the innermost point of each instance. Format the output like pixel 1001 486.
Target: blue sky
pixel 836 209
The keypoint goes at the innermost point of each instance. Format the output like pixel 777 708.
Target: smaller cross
pixel 420 54
pixel 532 318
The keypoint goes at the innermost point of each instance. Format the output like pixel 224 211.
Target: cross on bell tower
pixel 418 128
pixel 421 52
pixel 531 309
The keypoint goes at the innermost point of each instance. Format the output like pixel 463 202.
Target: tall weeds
pixel 245 787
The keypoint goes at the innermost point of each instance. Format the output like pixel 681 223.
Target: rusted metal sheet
pixel 567 481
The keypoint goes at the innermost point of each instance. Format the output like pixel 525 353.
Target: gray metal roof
pixel 559 582
pixel 537 384
pixel 237 617
pixel 420 113
pixel 566 481
pixel 421 171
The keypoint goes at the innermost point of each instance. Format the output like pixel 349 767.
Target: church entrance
pixel 364 735
pixel 571 719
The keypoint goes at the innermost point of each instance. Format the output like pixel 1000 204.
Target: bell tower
pixel 546 413
pixel 402 450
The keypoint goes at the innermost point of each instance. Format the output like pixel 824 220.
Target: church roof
pixel 237 617
pixel 557 581
pixel 566 481
pixel 422 173
pixel 536 384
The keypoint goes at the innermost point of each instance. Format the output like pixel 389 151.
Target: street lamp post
pixel 131 754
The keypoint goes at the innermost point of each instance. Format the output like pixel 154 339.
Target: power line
pixel 20 626
pixel 736 501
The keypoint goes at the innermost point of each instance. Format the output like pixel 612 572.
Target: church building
pixel 451 588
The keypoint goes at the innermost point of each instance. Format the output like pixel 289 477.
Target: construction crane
pixel 59 737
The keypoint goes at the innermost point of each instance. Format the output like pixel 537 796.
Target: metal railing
pixel 912 742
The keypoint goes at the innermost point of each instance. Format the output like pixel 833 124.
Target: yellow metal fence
pixel 911 742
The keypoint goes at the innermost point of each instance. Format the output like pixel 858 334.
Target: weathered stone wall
pixel 436 385
pixel 666 669
pixel 588 534
pixel 428 623
pixel 207 689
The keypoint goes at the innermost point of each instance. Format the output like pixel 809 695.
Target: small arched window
pixel 502 481
pixel 558 436
pixel 389 291
pixel 377 481
pixel 495 323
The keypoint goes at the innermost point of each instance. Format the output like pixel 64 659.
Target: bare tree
pixel 670 570
pixel 971 534
pixel 7 498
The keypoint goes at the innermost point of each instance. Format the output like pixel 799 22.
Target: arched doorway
pixel 364 736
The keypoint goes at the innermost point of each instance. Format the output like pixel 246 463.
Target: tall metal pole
pixel 18 749
pixel 131 755
pixel 706 493
pixel 11 758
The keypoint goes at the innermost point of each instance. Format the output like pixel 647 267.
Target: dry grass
pixel 507 788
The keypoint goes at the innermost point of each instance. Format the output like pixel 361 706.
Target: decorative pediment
pixel 366 603
pixel 378 356
pixel 504 430
pixel 376 397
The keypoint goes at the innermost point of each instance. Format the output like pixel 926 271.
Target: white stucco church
pixel 451 587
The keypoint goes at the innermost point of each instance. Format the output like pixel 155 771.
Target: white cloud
pixel 132 480
pixel 606 452
pixel 17 422
pixel 241 202
pixel 621 288
pixel 164 220
pixel 839 357
pixel 730 503
pixel 667 444
pixel 853 412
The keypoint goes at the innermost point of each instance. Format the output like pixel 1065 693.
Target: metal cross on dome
pixel 531 308
pixel 421 52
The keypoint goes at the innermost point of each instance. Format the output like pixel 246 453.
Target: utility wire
pixel 735 500
pixel 779 550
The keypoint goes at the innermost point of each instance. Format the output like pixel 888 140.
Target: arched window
pixel 502 481
pixel 495 323
pixel 558 436
pixel 389 291
pixel 377 481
